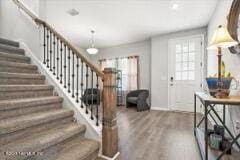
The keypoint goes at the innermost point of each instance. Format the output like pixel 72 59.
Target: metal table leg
pixel 224 114
pixel 202 119
pixel 195 112
pixel 206 130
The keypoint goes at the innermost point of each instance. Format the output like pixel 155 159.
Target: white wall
pixel 232 61
pixel 142 49
pixel 159 65
pixel 15 25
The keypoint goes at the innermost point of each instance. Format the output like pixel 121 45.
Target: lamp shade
pixel 222 38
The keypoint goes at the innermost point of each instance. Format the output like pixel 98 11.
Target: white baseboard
pixel 108 158
pixel 160 109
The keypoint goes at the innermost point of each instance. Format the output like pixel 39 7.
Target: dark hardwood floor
pixel 156 135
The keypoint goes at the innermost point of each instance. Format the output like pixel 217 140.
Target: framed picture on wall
pixel 234 25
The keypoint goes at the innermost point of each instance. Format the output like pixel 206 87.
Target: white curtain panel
pixel 132 73
pixel 129 69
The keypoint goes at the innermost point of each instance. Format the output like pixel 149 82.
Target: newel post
pixel 110 128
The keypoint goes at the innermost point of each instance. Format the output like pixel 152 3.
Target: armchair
pixel 138 98
pixel 91 95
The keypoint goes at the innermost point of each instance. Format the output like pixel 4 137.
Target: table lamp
pixel 221 39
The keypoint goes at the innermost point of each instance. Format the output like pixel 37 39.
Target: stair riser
pixel 17 70
pixel 28 110
pixel 11 51
pixel 49 153
pixel 34 129
pixel 12 59
pixel 13 81
pixel 30 123
pixel 25 94
pixel 9 42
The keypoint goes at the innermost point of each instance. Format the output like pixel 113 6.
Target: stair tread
pixel 11 49
pixel 24 87
pixel 26 102
pixel 14 55
pixel 21 75
pixel 44 139
pixel 14 58
pixel 21 122
pixel 16 64
pixel 9 42
pixel 78 149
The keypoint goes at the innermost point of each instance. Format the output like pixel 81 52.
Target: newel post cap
pixel 109 70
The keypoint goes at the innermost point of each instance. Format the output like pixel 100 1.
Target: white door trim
pixel 203 60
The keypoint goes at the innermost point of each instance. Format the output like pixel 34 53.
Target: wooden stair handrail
pixel 25 9
pixel 59 36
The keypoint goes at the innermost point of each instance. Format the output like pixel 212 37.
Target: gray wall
pixel 159 65
pixel 142 49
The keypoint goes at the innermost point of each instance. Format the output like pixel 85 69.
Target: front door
pixel 185 72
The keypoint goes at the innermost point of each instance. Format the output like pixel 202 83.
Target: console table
pixel 210 103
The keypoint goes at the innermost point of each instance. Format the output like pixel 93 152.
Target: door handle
pixel 171 81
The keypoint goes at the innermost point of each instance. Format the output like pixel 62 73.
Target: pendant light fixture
pixel 92 49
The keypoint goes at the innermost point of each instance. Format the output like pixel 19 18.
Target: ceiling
pixel 125 21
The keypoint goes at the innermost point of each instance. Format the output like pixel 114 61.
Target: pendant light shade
pixel 92 49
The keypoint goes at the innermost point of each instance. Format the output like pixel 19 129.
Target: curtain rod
pixel 118 58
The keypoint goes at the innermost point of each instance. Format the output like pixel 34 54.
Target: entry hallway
pixel 156 135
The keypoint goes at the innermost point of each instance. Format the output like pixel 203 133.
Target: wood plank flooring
pixel 156 135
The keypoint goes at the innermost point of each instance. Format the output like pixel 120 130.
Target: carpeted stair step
pixel 18 123
pixel 21 78
pixel 12 137
pixel 79 149
pixel 46 142
pixel 11 50
pixel 17 107
pixel 9 42
pixel 24 91
pixel 14 58
pixel 14 67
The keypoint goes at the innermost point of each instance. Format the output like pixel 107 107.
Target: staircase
pixel 33 123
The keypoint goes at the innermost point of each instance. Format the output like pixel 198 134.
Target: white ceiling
pixel 124 21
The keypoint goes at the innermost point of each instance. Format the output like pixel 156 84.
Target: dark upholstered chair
pixel 139 99
pixel 91 95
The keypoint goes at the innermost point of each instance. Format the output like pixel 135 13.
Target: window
pixel 128 66
pixel 122 65
pixel 185 61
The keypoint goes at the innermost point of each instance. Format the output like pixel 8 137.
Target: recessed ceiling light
pixel 73 12
pixel 175 6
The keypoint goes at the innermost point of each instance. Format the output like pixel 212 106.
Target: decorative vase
pixel 213 87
